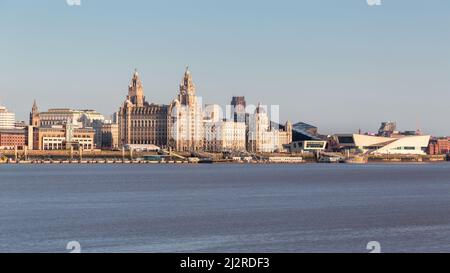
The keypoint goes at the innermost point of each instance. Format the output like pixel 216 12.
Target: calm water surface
pixel 225 208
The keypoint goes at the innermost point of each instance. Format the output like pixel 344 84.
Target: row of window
pixel 12 137
pixel 153 142
pixel 147 123
pixel 61 147
pixel 408 148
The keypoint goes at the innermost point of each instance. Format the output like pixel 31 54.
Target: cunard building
pixel 142 123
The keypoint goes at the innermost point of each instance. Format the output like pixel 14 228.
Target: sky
pixel 340 65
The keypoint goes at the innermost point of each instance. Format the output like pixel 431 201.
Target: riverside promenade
pixel 132 157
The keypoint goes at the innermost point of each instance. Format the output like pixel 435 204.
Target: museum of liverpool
pixel 408 145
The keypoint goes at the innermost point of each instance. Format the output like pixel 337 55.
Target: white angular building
pixel 186 118
pixel 7 119
pixel 404 145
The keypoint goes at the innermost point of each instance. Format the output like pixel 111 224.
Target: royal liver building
pixel 186 118
pixel 142 123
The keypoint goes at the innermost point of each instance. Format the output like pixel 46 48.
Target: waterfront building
pixel 62 137
pixel 186 118
pixel 303 131
pixel 61 116
pixel 402 145
pixel 110 135
pixel 284 137
pixel 439 146
pixel 225 135
pixel 12 138
pixel 97 125
pixel 264 139
pixel 139 121
pixel 343 142
pixel 306 146
pixel 7 119
pixel 260 138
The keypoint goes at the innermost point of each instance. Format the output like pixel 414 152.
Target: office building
pixel 186 118
pixel 139 121
pixel 7 119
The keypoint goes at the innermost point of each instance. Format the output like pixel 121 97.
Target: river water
pixel 225 208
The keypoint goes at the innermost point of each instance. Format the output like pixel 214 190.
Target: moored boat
pixel 329 159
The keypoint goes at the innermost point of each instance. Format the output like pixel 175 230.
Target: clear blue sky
pixel 341 65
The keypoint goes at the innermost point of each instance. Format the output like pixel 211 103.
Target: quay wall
pixel 106 156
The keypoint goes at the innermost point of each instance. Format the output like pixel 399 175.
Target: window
pixel 408 148
pixel 317 145
pixel 346 140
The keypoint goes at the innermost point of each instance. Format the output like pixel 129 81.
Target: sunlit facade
pixel 186 118
pixel 406 145
pixel 7 119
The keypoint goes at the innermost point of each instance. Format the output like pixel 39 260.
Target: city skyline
pixel 224 133
pixel 225 112
pixel 320 70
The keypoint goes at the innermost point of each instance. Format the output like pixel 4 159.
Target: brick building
pixel 11 138
pixel 110 136
pixel 439 146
